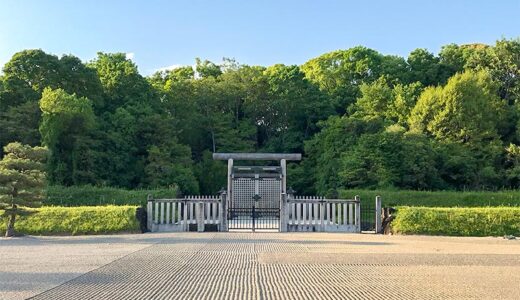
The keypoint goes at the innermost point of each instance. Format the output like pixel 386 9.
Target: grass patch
pixel 96 196
pixel 467 221
pixel 438 198
pixel 76 220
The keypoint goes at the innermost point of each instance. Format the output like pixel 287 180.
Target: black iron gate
pixel 254 204
pixel 368 213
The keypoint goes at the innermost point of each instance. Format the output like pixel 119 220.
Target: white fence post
pixel 378 214
pixel 199 211
pixel 149 212
pixel 185 216
pixel 322 215
pixel 284 213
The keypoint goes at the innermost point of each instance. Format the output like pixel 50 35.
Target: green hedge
pixel 76 220
pixel 467 221
pixel 95 196
pixel 438 199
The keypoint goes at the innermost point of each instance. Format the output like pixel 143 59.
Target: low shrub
pixel 458 221
pixel 76 220
pixel 96 196
pixel 438 198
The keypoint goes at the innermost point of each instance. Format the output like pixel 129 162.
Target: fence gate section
pixel 256 198
pixel 255 201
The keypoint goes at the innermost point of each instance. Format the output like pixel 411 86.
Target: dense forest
pixel 362 119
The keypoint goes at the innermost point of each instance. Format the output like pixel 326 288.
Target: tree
pixel 21 180
pixel 325 149
pixel 424 67
pixel 513 165
pixel 292 110
pixel 211 174
pixel 27 74
pixel 339 73
pixel 171 165
pixel 390 159
pixel 131 121
pixel 375 99
pixel 386 101
pixel 20 123
pixel 466 110
pixel 66 124
pixel 207 68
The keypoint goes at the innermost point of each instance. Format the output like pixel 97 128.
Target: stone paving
pixel 259 266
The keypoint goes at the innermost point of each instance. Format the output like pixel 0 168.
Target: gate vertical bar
pixel 229 196
pixel 255 202
pixel 378 214
pixel 283 198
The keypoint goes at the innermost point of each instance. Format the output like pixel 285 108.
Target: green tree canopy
pixel 466 110
pixel 66 124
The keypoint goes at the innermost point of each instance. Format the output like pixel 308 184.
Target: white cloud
pixel 130 55
pixel 168 68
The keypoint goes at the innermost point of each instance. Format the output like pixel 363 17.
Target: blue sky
pixel 165 33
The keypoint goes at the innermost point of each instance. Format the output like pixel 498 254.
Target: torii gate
pixel 255 193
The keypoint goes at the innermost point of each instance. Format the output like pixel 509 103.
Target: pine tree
pixel 22 179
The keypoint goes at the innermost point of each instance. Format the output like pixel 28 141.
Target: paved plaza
pixel 244 265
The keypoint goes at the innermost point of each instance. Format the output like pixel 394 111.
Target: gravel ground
pixel 259 266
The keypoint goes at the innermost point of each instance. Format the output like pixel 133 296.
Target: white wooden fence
pixel 319 214
pixel 192 213
pixel 298 213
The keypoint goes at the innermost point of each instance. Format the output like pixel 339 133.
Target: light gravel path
pixel 259 266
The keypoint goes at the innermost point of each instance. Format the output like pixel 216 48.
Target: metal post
pixel 149 212
pixel 253 218
pixel 283 197
pixel 283 165
pixel 230 183
pixel 378 214
pixel 358 213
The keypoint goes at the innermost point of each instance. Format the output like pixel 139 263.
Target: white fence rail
pixel 319 214
pixel 192 213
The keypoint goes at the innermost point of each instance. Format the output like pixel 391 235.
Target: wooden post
pixel 162 213
pixel 149 212
pixel 358 213
pixel 378 215
pixel 200 216
pixel 185 216
pixel 322 216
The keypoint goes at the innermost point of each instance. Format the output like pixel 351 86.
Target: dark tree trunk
pixel 10 226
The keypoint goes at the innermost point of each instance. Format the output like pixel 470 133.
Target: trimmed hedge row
pixel 76 220
pixel 467 221
pixel 96 196
pixel 438 198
